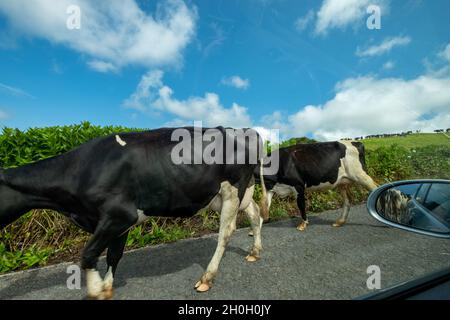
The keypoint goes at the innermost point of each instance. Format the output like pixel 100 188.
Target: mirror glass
pixel 424 206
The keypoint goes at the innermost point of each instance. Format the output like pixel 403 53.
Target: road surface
pixel 321 263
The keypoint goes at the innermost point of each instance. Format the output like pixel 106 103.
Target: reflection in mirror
pixel 424 206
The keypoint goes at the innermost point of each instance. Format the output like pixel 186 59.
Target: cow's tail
pixel 264 203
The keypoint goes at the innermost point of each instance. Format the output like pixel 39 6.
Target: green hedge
pixel 21 147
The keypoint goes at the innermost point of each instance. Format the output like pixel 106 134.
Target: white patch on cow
pixel 352 166
pixel 215 204
pixel 141 217
pixel 94 283
pixel 247 199
pixel 120 141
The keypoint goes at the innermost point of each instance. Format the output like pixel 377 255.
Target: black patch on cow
pixel 362 154
pixel 310 164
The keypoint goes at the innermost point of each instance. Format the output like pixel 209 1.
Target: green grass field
pixel 410 141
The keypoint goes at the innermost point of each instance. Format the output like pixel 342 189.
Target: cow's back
pixel 142 167
pixel 314 163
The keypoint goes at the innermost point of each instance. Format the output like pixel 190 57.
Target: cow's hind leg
pixel 366 181
pixel 302 207
pixel 252 212
pixel 345 208
pixel 115 252
pixel 269 201
pixel 111 226
pixel 228 214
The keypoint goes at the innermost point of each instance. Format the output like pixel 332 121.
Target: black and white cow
pixel 110 184
pixel 317 166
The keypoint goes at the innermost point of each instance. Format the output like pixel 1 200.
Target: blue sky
pixel 303 67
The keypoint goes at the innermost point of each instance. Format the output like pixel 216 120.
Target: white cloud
pixel 236 82
pixel 389 65
pixel 268 134
pixel 386 46
pixel 445 54
pixel 102 66
pixel 215 41
pixel 367 105
pixel 3 115
pixel 146 91
pixel 303 22
pixel 113 33
pixel 152 95
pixel 343 13
pixel 56 68
pixel 15 91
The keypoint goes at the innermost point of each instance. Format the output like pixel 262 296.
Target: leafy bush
pixel 21 147
pixel 22 259
pixel 431 162
pixel 389 163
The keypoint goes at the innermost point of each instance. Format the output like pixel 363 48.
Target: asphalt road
pixel 321 263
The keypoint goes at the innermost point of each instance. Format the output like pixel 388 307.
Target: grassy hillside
pixel 410 141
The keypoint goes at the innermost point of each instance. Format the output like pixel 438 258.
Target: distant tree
pixel 290 142
pixel 294 141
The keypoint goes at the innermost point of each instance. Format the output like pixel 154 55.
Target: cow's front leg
pixel 115 252
pixel 302 208
pixel 108 231
pixel 230 206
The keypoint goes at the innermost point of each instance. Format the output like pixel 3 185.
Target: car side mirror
pixel 421 206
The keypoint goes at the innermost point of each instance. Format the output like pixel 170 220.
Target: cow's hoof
pixel 202 286
pixel 338 224
pixel 104 295
pixel 252 258
pixel 108 293
pixel 302 226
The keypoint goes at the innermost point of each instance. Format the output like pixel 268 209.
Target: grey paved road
pixel 321 263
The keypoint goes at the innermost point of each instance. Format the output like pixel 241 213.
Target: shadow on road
pixel 164 260
pixel 320 220
pixel 161 260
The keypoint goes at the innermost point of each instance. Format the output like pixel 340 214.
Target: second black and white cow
pixel 110 184
pixel 317 166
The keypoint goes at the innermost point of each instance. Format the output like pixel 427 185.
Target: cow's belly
pixel 341 179
pixel 212 201
pixel 284 190
pixel 323 186
pixel 217 201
